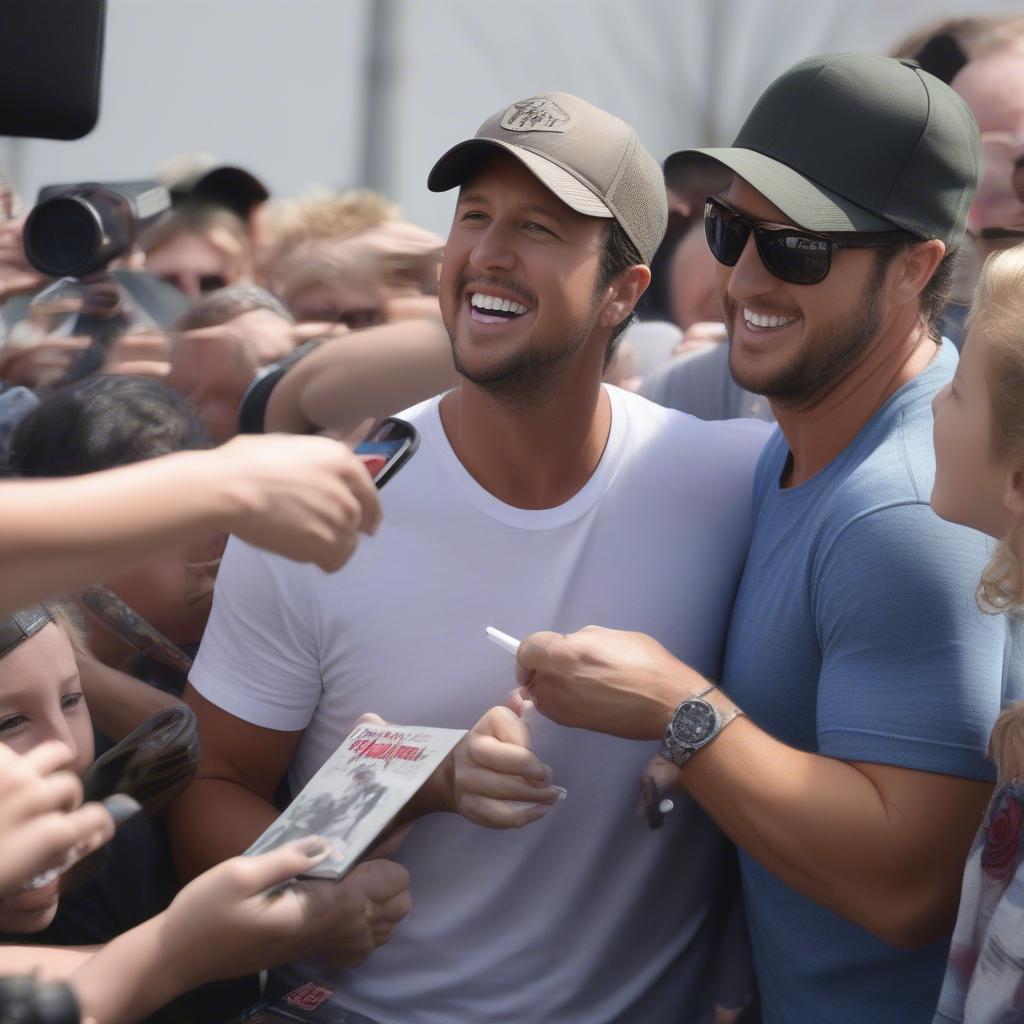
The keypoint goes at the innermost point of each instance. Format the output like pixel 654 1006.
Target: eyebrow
pixel 21 693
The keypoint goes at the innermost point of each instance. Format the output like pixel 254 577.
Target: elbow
pixel 915 917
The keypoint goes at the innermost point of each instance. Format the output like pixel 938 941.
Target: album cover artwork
pixel 358 791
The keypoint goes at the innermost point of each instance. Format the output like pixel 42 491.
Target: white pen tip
pixel 503 640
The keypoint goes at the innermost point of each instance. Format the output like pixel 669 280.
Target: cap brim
pixel 460 161
pixel 805 203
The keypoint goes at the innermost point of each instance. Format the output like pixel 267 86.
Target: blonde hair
pixel 222 228
pixel 322 213
pixel 998 313
pixel 1006 744
pixel 68 619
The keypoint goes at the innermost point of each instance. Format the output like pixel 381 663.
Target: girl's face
pixel 971 485
pixel 41 699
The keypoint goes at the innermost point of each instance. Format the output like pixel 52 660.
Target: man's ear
pixel 624 293
pixel 915 269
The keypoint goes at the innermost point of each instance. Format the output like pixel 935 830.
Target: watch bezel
pixel 679 750
pixel 684 709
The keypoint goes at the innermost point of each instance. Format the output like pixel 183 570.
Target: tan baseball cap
pixel 593 161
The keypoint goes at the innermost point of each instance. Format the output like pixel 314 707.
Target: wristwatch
pixel 695 724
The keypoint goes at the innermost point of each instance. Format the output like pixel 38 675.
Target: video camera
pixel 77 230
pixel 74 233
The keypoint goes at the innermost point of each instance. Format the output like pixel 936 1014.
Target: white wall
pixel 278 85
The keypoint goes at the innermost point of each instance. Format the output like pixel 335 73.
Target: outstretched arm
pixel 881 845
pixel 366 374
pixel 303 497
pixel 224 925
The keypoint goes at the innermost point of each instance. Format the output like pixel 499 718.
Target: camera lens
pixel 62 236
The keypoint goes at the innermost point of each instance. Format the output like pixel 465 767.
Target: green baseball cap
pixel 592 160
pixel 856 142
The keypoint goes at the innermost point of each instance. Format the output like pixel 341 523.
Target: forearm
pixel 824 828
pixel 215 819
pixel 369 373
pixel 132 976
pixel 56 535
pixel 118 702
pixel 48 963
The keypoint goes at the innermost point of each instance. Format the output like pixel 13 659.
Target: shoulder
pixel 422 411
pixel 741 435
pixel 901 552
pixel 684 453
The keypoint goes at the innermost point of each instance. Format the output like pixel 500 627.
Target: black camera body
pixel 77 230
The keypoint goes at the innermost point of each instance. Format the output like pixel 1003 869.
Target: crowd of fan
pixel 318 315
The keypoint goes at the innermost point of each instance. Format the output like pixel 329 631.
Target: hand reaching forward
pixel 41 824
pixel 224 925
pixel 307 498
pixel 606 680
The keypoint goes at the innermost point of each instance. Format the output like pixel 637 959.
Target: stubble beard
pixel 526 379
pixel 826 356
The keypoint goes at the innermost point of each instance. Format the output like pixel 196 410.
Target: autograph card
pixel 359 790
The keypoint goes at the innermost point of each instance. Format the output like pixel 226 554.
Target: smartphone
pixel 387 448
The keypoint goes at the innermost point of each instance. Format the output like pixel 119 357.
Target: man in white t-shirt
pixel 538 499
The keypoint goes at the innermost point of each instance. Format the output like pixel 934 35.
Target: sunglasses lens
pixel 727 234
pixel 795 258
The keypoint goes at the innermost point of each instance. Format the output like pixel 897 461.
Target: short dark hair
pixel 936 293
pixel 224 304
pixel 618 255
pixel 102 422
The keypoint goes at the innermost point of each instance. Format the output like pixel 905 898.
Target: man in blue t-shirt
pixel 862 679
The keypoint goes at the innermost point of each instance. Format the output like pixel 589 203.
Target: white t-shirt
pixel 586 916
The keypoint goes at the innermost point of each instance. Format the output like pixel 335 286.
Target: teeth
pixel 766 319
pixel 481 301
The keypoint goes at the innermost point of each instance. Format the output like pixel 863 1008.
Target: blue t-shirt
pixel 856 635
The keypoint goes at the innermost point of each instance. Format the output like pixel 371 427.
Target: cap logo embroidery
pixel 538 114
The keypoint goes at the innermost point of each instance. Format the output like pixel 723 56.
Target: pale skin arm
pixel 882 846
pixel 366 374
pixel 306 498
pixel 223 925
pixel 48 963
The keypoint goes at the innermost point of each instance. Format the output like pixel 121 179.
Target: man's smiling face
pixel 519 280
pixel 792 342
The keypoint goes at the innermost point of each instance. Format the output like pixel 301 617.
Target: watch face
pixel 694 722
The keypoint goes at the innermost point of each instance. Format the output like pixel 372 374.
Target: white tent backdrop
pixel 296 90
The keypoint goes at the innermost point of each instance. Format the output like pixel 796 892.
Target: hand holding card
pixel 358 792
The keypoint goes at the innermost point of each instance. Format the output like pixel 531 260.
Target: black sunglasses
pixel 791 255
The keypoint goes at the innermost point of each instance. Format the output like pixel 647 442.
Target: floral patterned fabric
pixel 984 982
